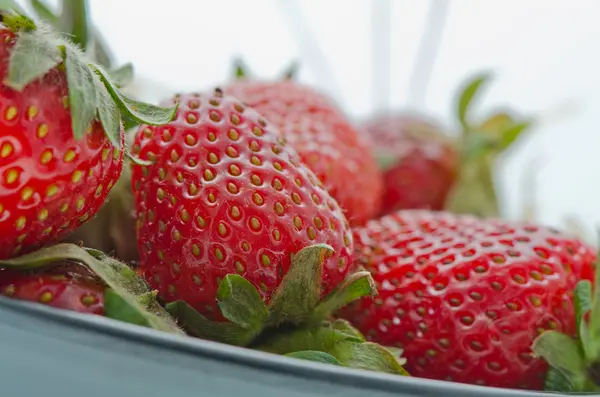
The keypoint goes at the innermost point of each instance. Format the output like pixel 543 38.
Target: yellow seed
pixel 69 156
pixel 318 222
pixel 201 222
pixel 195 250
pixel 234 170
pixel 233 135
pixel 297 222
pixel 80 203
pixel 296 198
pixel 176 268
pixel 26 193
pixel 312 234
pixel 346 240
pixel 257 131
pixel 160 194
pixel 298 182
pixel 42 131
pixel 6 150
pixel 239 267
pixel 276 235
pixel 185 215
pixel 162 174
pixel 277 185
pixel 211 198
pixel 21 238
pixel 167 136
pixel 219 254
pixel 212 158
pixel 64 207
pixel 196 279
pixel 46 157
pixel 192 189
pixel 209 175
pixel 254 223
pixel 315 198
pixel 174 156
pixel 161 255
pixel 190 140
pixel 235 212
pixel 254 146
pixel 266 261
pixel 191 118
pixel 47 231
pixel 11 113
pixel 235 119
pixel 176 235
pixel 46 297
pixel 279 209
pixel 256 181
pixel 232 152
pixel 222 229
pixel 162 226
pixel 51 190
pixel 32 111
pixel 245 246
pixel 257 198
pixel 88 300
pixel 255 160
pixel 98 191
pixel 76 176
pixel 212 137
pixel 20 223
pixel 278 166
pixel 233 189
pixel 11 176
pixel 1 208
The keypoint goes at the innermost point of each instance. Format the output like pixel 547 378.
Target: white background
pixel 545 55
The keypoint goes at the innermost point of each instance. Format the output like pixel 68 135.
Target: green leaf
pixel 368 356
pixel 562 353
pixel 82 95
pixel 511 134
pixel 240 303
pixel 31 58
pixel 100 51
pixel 118 308
pixel 74 21
pixel 300 290
pixel 356 286
pixel 116 275
pixel 198 325
pixel 141 112
pixel 595 311
pixel 556 381
pixel 347 328
pixel 44 12
pixel 109 114
pixel 240 68
pixel 582 299
pixel 122 75
pixel 129 123
pixel 316 356
pixel 589 345
pixel 468 94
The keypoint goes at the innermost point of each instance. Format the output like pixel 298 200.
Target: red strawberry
pixel 419 162
pixel 465 297
pixel 70 288
pixel 325 140
pixel 60 135
pixel 226 195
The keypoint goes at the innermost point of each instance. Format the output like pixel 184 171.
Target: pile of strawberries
pixel 264 218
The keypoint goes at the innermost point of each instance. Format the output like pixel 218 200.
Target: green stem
pixel 75 16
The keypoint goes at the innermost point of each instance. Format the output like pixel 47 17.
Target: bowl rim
pixel 240 356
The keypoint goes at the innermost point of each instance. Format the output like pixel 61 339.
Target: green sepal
pixel 74 21
pixel 118 308
pixel 142 113
pixel 561 352
pixel 240 303
pixel 344 326
pixel 122 75
pixel 291 71
pixel 121 279
pixel 355 286
pixel 32 57
pixel 44 12
pixel 582 299
pixel 557 382
pixel 240 69
pixel 82 95
pixel 468 94
pixel 300 290
pixel 197 325
pixel 315 356
pixel 348 350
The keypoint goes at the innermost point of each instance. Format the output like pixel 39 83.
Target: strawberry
pixel 426 169
pixel 324 138
pixel 240 238
pixel 61 135
pixel 419 162
pixel 465 297
pixel 69 288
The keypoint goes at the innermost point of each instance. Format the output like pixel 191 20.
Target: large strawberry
pixel 419 162
pixel 61 135
pixel 326 140
pixel 66 276
pixel 426 169
pixel 465 297
pixel 236 233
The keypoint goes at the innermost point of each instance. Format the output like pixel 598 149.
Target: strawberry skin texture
pixel 424 164
pixel 50 183
pixel 225 194
pixel 466 297
pixel 70 289
pixel 326 141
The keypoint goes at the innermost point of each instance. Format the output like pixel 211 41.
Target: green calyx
pixel 93 94
pixel 575 362
pixel 127 297
pixel 296 320
pixel 241 71
pixel 480 145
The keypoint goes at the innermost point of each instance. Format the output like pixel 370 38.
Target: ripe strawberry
pixel 419 162
pixel 325 140
pixel 225 194
pixel 60 135
pixel 66 286
pixel 465 297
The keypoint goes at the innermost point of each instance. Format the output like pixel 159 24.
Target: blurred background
pixel 374 56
